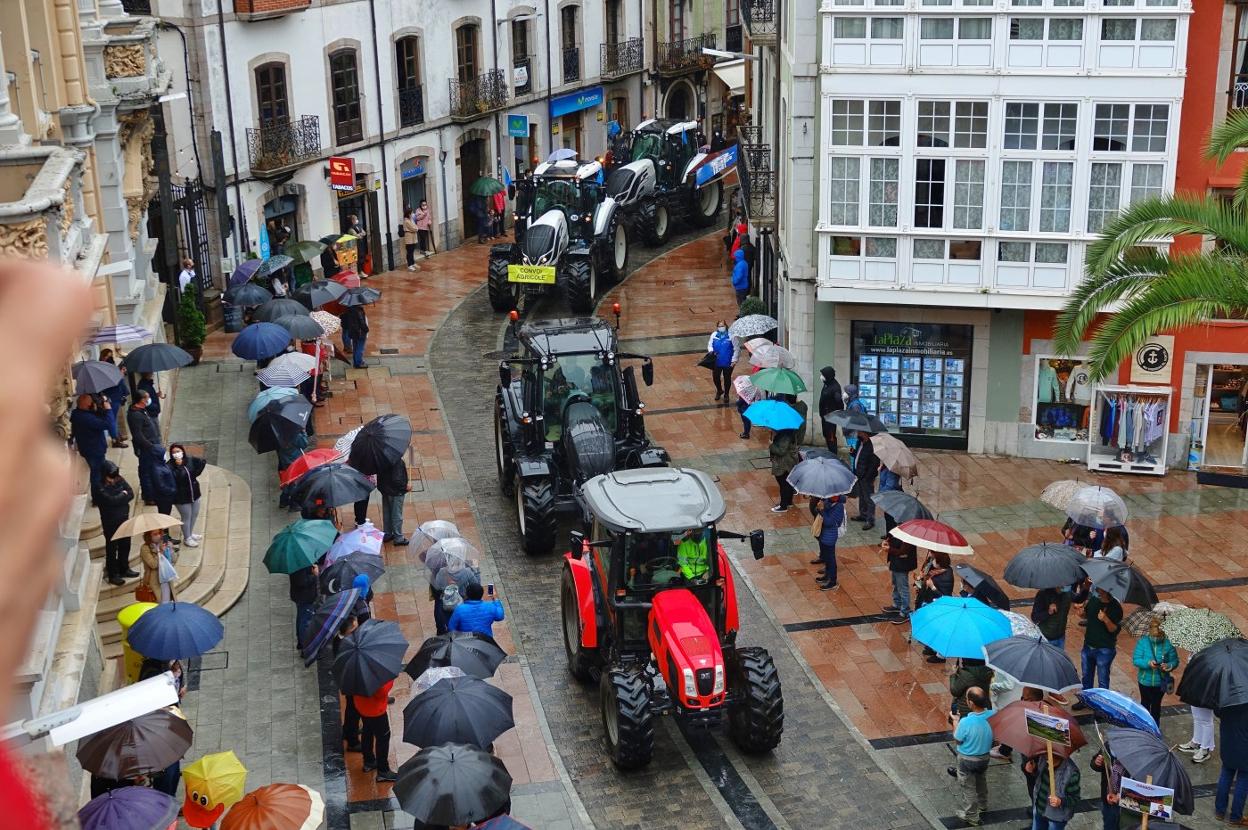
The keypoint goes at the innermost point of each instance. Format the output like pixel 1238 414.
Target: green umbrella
pixel 779 381
pixel 298 545
pixel 305 250
pixel 486 186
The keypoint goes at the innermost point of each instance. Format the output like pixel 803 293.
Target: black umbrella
pixel 342 573
pixel 1044 566
pixel 148 743
pixel 281 307
pixel 855 421
pixel 1033 662
pixel 1145 754
pixel 1122 581
pixel 301 326
pixel 319 292
pixel 93 376
pixel 157 357
pixel 369 657
pixel 983 587
pixel 901 507
pixel 474 654
pixel 1217 676
pixel 452 784
pixel 278 423
pixel 359 296
pixel 248 295
pixel 461 710
pixel 380 443
pixel 331 485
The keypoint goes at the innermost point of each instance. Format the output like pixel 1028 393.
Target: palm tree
pixel 1154 291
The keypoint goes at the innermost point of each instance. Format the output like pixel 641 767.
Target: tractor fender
pixel 683 638
pixel 510 396
pixel 583 582
pixel 732 621
pixel 533 468
pixel 603 216
pixel 579 248
pixel 504 250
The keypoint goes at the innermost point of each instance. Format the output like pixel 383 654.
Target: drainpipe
pixel 550 119
pixel 381 129
pixel 498 139
pixel 641 76
pixel 654 44
pixel 241 242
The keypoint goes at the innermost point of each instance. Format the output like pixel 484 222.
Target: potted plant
pixel 191 331
pixel 751 305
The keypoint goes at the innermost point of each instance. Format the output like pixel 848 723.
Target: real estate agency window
pixel 345 82
pixel 1062 399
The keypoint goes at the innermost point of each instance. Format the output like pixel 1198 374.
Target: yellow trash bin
pixel 127 617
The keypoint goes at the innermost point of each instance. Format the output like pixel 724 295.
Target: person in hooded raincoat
pixel 831 400
pixel 740 275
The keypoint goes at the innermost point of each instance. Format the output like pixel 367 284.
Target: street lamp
pixel 94 715
pixel 732 56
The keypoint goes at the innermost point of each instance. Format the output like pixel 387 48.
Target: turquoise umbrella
pixel 298 545
pixel 267 397
pixel 958 626
pixel 772 414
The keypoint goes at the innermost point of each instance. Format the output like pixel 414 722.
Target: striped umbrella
pixel 290 369
pixel 119 334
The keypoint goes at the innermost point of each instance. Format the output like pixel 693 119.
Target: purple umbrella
pixel 129 808
pixel 245 271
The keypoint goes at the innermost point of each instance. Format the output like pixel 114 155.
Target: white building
pixel 970 151
pixel 423 96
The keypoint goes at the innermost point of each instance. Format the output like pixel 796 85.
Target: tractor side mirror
pixel 504 373
pixel 576 542
pixel 756 543
pixel 647 373
pixel 511 192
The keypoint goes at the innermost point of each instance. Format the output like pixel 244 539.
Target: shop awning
pixel 732 73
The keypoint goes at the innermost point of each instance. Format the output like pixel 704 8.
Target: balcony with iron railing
pixel 571 64
pixel 733 41
pixel 621 59
pixel 411 105
pixel 279 145
pixel 758 176
pixel 1238 93
pixel 481 95
pixel 759 18
pixel 679 57
pixel 522 76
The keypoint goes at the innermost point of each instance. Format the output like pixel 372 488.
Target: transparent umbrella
pixel 1097 506
pixel 430 532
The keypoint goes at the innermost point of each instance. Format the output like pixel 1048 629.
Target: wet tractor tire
pixel 582 286
pixel 535 509
pixel 504 453
pixel 580 658
pixel 656 224
pixel 705 204
pixel 756 718
pixel 626 718
pixel 502 292
pixel 617 252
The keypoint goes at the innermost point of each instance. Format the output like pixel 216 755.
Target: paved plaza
pixel 864 742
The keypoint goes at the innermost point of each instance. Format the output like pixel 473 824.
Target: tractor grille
pixel 706 680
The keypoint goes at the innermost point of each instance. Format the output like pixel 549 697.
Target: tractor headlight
pixel 691 688
pixel 719 680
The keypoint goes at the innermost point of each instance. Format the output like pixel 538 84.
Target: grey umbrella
pixel 476 654
pixel 273 264
pixel 901 507
pixel 157 357
pixel 983 587
pixel 452 784
pixel 461 710
pixel 752 325
pixel 369 657
pixel 1045 565
pixel 855 421
pixel 248 294
pixel 301 326
pixel 1145 754
pixel 821 477
pixel 1122 581
pixel 1033 662
pixel 93 376
pixel 319 292
pixel 281 307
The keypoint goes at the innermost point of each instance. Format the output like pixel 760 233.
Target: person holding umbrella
pixel 355 334
pixel 329 261
pixel 113 499
pixel 147 445
pixel 783 453
pixel 117 403
pixel 1049 611
pixel 1100 640
pixel 1234 737
pixel 1155 658
pixel 866 466
pixel 902 558
pixel 156 555
pixel 831 519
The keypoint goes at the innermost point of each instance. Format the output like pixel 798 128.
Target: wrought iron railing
pixel 485 93
pixel 760 196
pixel 733 41
pixel 281 144
pixel 571 64
pixel 756 156
pixel 751 133
pixel 678 56
pixel 620 59
pixel 137 6
pixel 759 17
pixel 522 71
pixel 1239 92
pixel 411 105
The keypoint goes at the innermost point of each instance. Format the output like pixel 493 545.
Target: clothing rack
pixel 1129 429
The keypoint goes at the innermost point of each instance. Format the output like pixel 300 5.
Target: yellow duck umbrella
pixel 213 784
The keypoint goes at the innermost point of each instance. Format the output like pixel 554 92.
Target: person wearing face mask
pixel 186 470
pixel 726 351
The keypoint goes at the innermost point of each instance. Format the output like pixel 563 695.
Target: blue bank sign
pixel 575 101
pixel 518 126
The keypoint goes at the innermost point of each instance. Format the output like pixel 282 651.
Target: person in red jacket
pixel 376 737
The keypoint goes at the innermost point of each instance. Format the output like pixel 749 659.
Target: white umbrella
pixel 432 531
pixel 1021 626
pixel 365 539
pixel 771 356
pixel 343 444
pixel 329 322
pixel 745 388
pixel 752 325
pixel 1096 506
pixel 756 342
pixel 289 370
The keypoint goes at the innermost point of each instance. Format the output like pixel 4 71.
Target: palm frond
pixel 1167 216
pixel 1095 292
pixel 1227 137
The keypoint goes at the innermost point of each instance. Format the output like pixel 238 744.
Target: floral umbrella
pixel 1195 629
pixel 328 322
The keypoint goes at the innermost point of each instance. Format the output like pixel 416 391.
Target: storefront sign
pixel 518 126
pixel 265 249
pixel 915 377
pixel 1151 362
pixel 412 169
pixel 341 173
pixel 575 102
pixel 531 274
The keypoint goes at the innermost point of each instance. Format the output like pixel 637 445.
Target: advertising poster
pixel 1146 799
pixel 1049 728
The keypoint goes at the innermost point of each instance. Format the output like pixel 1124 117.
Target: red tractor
pixel 650 611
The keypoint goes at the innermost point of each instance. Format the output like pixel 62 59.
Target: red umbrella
pixel 308 462
pixel 930 534
pixel 1009 727
pixel 349 279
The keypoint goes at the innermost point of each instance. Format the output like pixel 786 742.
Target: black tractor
pixel 569 413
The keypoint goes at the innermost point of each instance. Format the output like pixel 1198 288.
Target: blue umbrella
pixel 245 271
pixel 958 626
pixel 267 397
pixel 260 340
pixel 129 808
pixel 1116 707
pixel 771 414
pixel 175 630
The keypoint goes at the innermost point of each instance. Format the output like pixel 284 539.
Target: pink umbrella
pixel 745 389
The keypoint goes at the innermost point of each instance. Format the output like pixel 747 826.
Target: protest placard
pixel 1147 799
pixel 1049 728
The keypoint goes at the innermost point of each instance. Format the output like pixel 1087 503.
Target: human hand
pixel 1053 608
pixel 1112 798
pixel 1030 767
pixel 1100 615
pixel 1152 664
pixel 107 404
pixel 1054 801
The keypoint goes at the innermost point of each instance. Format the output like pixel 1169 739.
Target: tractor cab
pixel 669 144
pixel 567 186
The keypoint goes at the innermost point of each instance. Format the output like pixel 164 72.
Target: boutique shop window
pixel 1062 399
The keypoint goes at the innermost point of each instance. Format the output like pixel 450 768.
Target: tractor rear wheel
pixel 705 205
pixel 504 453
pixel 502 292
pixel 617 251
pixel 580 658
pixel 626 718
pixel 656 224
pixel 582 286
pixel 756 715
pixel 535 510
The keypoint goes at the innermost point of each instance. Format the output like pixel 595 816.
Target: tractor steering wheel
pixel 663 565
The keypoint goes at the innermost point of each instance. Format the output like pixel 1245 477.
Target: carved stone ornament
pixel 27 240
pixel 124 61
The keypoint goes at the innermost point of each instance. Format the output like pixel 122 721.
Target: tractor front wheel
pixel 502 292
pixel 535 510
pixel 617 251
pixel 756 715
pixel 626 718
pixel 706 203
pixel 580 658
pixel 582 286
pixel 504 454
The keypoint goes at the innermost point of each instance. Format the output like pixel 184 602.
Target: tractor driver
pixel 557 389
pixel 691 554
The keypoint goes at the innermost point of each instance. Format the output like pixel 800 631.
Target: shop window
pixel 1062 399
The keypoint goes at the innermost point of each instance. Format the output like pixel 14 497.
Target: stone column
pixel 111 8
pixel 10 127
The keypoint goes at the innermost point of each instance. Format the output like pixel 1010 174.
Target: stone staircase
pixel 213 575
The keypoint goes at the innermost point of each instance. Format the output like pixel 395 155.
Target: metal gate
pixel 188 202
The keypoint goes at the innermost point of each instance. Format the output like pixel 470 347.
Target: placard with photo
pixel 953 409
pixel 908 420
pixel 889 418
pixel 887 405
pixel 931 364
pixel 908 406
pixel 930 408
pixel 866 390
pixel 911 378
pixel 867 361
pixel 931 393
pixel 952 422
pixel 953 380
pixel 929 421
pixel 911 364
pixel 888 392
pixel 952 364
pixel 953 393
pixel 910 393
pixel 888 377
pixel 866 376
pixel 889 362
pixel 931 378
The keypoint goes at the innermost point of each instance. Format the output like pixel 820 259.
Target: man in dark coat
pixel 303 593
pixel 393 486
pixel 355 334
pixel 113 499
pixel 89 426
pixel 147 445
pixel 866 466
pixel 830 400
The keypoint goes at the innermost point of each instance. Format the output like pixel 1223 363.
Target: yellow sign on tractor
pixel 531 274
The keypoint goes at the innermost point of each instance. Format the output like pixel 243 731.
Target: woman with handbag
pixel 1156 659
pixel 826 528
pixel 159 576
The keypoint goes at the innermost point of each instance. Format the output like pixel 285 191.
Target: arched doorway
pixel 678 104
pixel 472 166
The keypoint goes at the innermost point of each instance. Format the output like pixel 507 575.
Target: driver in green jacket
pixel 691 554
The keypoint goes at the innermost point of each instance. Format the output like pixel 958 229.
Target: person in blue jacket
pixel 740 275
pixel 724 348
pixel 474 614
pixel 91 427
pixel 833 512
